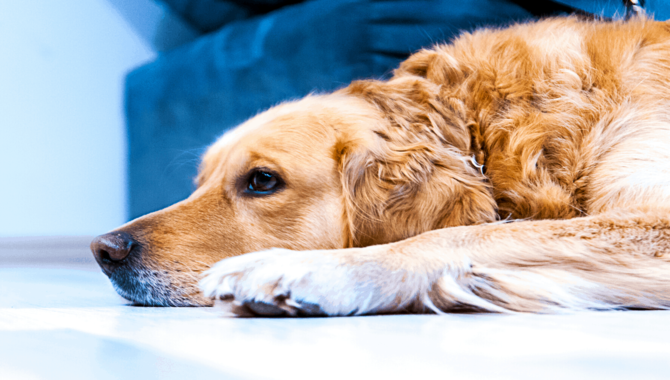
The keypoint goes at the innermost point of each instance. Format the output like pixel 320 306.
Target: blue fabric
pixel 210 15
pixel 180 103
pixel 660 9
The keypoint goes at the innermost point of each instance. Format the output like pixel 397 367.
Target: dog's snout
pixel 111 249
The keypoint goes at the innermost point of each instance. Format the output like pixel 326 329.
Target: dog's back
pixel 570 117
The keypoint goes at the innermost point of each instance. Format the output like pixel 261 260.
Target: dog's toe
pixel 216 286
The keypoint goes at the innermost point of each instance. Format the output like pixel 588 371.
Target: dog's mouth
pixel 146 287
pixel 151 288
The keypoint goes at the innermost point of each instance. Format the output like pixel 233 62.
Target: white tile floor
pixel 60 319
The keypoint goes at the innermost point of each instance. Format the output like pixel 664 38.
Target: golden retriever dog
pixel 525 169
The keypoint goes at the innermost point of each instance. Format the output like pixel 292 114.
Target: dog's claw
pixel 311 310
pixel 265 309
pixel 226 297
pixel 287 308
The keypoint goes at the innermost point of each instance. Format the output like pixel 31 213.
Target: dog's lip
pixel 205 302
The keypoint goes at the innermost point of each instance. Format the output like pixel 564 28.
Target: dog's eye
pixel 262 182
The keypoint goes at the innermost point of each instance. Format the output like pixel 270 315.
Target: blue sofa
pixel 256 53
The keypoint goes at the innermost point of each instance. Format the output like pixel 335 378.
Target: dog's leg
pixel 609 261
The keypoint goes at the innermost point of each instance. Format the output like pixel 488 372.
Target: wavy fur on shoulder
pixel 418 176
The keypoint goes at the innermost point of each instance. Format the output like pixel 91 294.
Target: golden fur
pixel 571 120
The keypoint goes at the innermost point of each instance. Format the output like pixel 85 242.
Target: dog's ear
pixel 411 172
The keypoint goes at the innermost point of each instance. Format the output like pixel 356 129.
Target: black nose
pixel 110 250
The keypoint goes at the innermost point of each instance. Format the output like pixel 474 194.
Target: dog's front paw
pixel 280 282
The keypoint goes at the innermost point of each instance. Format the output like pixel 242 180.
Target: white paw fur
pixel 340 282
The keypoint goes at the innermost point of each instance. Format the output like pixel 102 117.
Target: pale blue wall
pixel 62 138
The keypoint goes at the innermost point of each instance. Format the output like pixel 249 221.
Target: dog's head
pixel 370 164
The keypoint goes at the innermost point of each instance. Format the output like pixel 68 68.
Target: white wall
pixel 62 138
